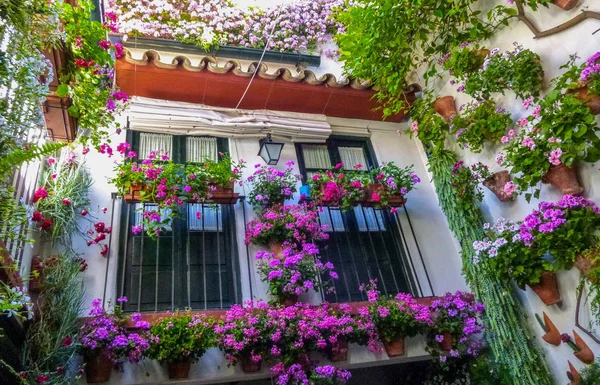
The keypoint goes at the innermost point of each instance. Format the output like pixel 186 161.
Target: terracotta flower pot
pixel 339 351
pixel 134 193
pixel 552 335
pixel 483 52
pixel 496 183
pixel 395 200
pixel 592 101
pixel 565 4
pixel 179 370
pixel 222 194
pixel 586 265
pixel 447 342
pixel 394 348
pixel 547 289
pixel 573 375
pixel 564 179
pixel 445 107
pixel 249 366
pixel 585 354
pixel 289 300
pixel 98 368
pixel 277 249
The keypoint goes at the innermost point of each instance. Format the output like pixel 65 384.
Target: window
pixel 364 243
pixel 194 262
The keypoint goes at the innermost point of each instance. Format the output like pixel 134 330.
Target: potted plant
pixel 104 340
pixel 478 123
pixel 519 70
pixel 445 107
pixel 466 186
pixel 590 375
pixel 294 224
pixel 504 254
pixel 395 318
pixel 583 81
pixel 298 272
pixel 494 182
pixel 588 263
pixel 340 187
pixel 180 339
pixel 271 186
pixel 329 375
pixel 456 318
pixel 393 183
pixel 429 127
pixel 463 60
pixel 246 335
pixel 222 175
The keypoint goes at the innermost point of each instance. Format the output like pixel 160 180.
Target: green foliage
pixel 393 181
pixel 464 61
pixel 223 172
pixel 181 337
pixel 18 156
pixel 46 348
pixel 14 217
pixel 590 375
pixel 509 337
pixel 271 186
pixel 339 186
pixel 534 4
pixel 480 122
pixel 427 125
pixel 519 70
pixel 68 183
pixel 399 323
pixel 14 302
pixel 387 39
pixel 566 118
pixel 466 187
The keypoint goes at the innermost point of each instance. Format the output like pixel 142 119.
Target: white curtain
pixel 155 142
pixel 352 156
pixel 316 156
pixel 200 148
pixel 209 217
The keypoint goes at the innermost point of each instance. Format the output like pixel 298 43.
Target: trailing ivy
pixel 509 337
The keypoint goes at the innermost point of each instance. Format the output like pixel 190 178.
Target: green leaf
pixel 62 90
pixel 73 111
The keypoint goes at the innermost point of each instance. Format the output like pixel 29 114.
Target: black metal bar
pixel 410 261
pixel 419 250
pixel 156 272
pixel 187 257
pixel 403 252
pixel 385 248
pixel 204 260
pixel 373 248
pixel 247 253
pixel 337 247
pixel 232 247
pixel 344 220
pixel 217 210
pixel 141 262
pixel 126 230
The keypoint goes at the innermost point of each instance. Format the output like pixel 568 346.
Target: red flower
pixel 100 237
pixel 104 44
pixel 23 374
pixel 100 226
pixel 84 63
pixel 60 370
pixel 37 217
pixel 41 379
pixel 40 193
pixel 376 197
pixel 66 202
pixel 84 213
pixel 83 263
pixel 46 224
pixel 67 341
pixel 119 50
pixel 565 338
pixel 104 250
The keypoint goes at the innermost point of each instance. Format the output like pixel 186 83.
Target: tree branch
pixel 559 28
pixel 589 333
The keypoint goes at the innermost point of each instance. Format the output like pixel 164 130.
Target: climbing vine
pixel 509 336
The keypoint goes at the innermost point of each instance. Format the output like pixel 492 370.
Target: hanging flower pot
pixel 339 351
pixel 98 368
pixel 496 183
pixel 447 342
pixel 585 265
pixel 222 194
pixel 395 347
pixel 592 101
pixel 276 248
pixel 249 365
pixel 564 179
pixel 179 370
pixel 134 193
pixel 289 300
pixel 565 4
pixel 547 288
pixel 373 197
pixel 445 107
pixel 585 354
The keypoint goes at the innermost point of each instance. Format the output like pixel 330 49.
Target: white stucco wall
pixel 554 51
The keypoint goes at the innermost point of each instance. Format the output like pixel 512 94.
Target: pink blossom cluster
pixel 503 232
pixel 297 27
pixel 271 186
pixel 296 374
pixel 592 67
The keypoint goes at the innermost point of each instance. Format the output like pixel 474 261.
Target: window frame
pixel 181 243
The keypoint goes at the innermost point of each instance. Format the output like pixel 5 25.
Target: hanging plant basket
pixel 249 366
pixel 564 179
pixel 221 195
pixel 496 183
pixel 98 368
pixel 134 195
pixel 547 289
pixel 445 107
pixel 566 5
pixel 339 351
pixel 179 370
pixel 394 348
pixel 395 200
pixel 592 101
